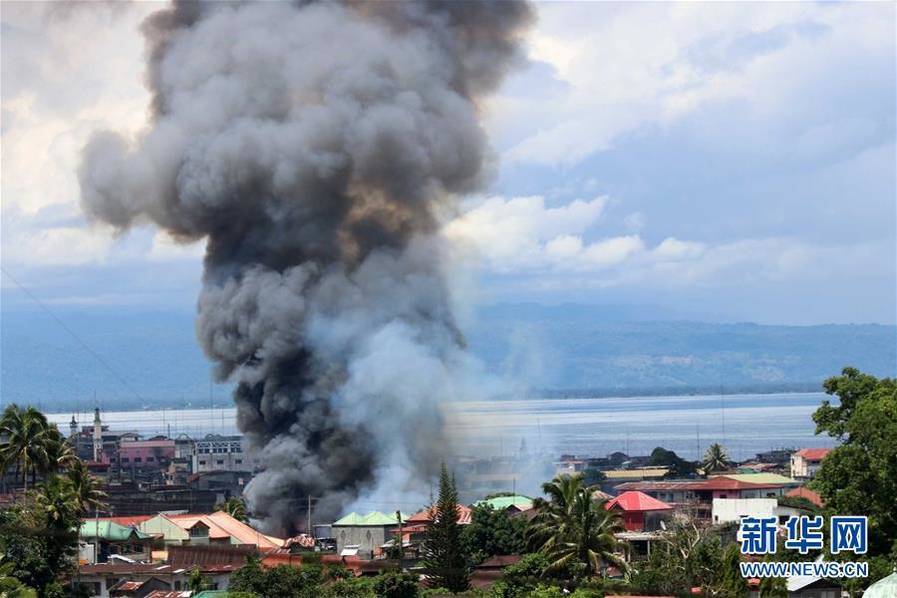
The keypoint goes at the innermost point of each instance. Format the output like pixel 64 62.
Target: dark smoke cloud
pixel 316 147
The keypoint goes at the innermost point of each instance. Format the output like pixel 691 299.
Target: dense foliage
pixel 859 477
pixel 573 531
pixel 678 467
pixel 690 558
pixel 492 532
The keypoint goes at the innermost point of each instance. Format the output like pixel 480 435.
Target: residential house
pixel 513 504
pixel 807 494
pixel 216 563
pixel 640 512
pixel 491 570
pixel 364 535
pixel 215 529
pixel 114 539
pixel 806 462
pixel 415 528
pixel 138 588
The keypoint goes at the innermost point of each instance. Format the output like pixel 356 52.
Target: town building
pixel 156 453
pixel 222 453
pixel 807 494
pixel 214 529
pixel 806 462
pixel 364 535
pixel 695 497
pixel 731 510
pixel 216 564
pixel 113 538
pixel 640 512
pixel 513 504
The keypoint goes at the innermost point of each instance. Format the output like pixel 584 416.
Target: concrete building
pixel 731 510
pixel 156 453
pixel 806 462
pixel 364 535
pixel 214 529
pixel 222 453
pixel 640 512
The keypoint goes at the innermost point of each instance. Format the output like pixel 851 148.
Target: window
pixel 202 461
pixel 137 459
pixel 238 461
pixel 150 459
pixel 219 462
pixel 125 460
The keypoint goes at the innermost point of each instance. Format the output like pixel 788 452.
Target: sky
pixel 723 160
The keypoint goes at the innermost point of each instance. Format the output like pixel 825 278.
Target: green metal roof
pixel 372 518
pixel 212 594
pixel 761 478
pixel 883 588
pixel 503 502
pixel 111 531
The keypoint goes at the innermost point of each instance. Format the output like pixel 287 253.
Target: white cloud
pixel 511 233
pixel 553 248
pixel 621 67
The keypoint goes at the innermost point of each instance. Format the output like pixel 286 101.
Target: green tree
pixel 26 434
pixel 38 536
pixel 197 582
pixel 234 506
pixel 56 453
pixel 87 488
pixel 249 578
pixel 521 578
pixel 715 459
pixel 575 533
pixel 443 551
pixel 678 467
pixel 492 532
pixel 396 584
pixel 11 587
pixel 859 477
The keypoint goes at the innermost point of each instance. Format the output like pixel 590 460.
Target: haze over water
pixel 745 424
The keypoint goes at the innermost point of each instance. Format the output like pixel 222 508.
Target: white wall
pixel 726 510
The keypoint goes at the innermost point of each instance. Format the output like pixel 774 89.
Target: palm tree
pixel 235 507
pixel 56 453
pixel 715 459
pixel 574 531
pixel 86 488
pixel 25 431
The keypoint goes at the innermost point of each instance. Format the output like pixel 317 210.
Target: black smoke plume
pixel 316 146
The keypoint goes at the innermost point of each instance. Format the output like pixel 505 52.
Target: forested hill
pixel 563 347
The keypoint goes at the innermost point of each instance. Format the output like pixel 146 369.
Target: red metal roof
pixel 464 514
pixel 814 454
pixel 637 501
pixel 715 483
pixel 804 492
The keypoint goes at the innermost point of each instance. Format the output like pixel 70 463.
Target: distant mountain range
pixel 153 358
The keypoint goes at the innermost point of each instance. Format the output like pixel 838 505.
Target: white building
pixel 729 510
pixel 806 462
pixel 222 453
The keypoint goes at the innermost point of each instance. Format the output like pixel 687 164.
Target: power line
pixel 83 344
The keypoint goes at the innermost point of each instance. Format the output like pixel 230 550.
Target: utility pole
pixel 310 533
